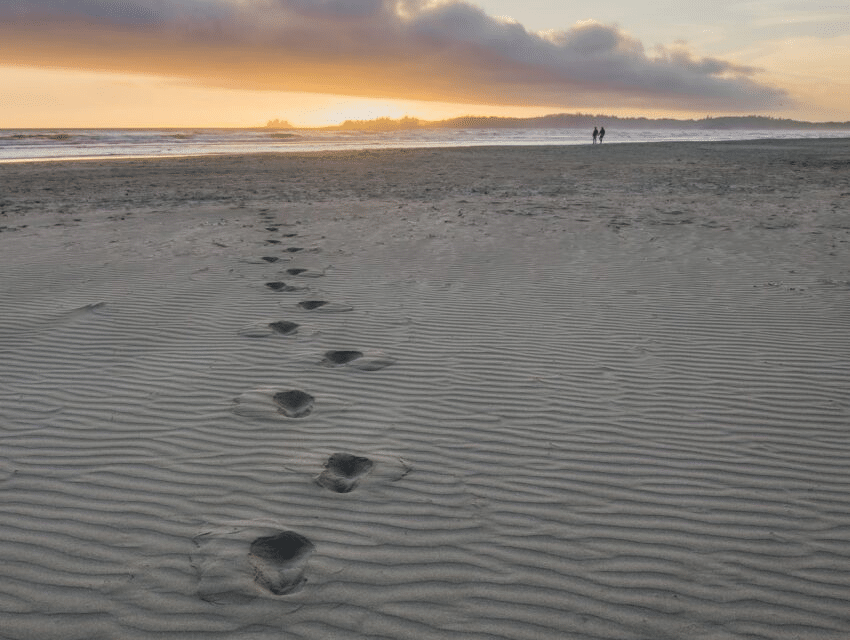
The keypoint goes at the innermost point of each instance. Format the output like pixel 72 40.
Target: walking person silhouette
pixel 601 134
pixel 595 133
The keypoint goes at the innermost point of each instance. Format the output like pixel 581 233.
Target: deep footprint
pixel 282 286
pixel 294 404
pixel 295 272
pixel 337 358
pixel 309 305
pixel 343 472
pixel 270 258
pixel 294 249
pixel 279 561
pixel 323 306
pixel 283 327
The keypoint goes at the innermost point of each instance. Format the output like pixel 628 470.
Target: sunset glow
pixel 316 62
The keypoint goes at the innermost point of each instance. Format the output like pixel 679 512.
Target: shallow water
pixel 62 144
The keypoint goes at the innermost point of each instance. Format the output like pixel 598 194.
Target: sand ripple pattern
pixel 612 442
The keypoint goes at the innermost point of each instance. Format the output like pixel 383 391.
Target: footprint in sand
pixel 282 286
pixel 279 561
pixel 304 273
pixel 343 472
pixel 266 329
pixel 265 259
pixel 274 404
pixel 240 562
pixel 294 249
pixel 323 306
pixel 337 358
pixel 273 241
pixel 357 360
pixel 294 403
pixel 283 327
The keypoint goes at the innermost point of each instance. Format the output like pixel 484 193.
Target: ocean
pixel 18 145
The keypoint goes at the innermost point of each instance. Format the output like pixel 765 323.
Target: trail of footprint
pixel 266 329
pixel 343 472
pixel 323 306
pixel 373 361
pixel 265 259
pixel 266 403
pixel 282 286
pixel 336 358
pixel 245 560
pixel 283 327
pixel 304 273
pixel 279 561
pixel 294 403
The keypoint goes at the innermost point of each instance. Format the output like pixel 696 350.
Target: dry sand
pixel 576 392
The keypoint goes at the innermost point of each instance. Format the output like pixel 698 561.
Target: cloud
pixel 416 49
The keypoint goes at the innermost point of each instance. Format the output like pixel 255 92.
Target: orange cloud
pixel 408 49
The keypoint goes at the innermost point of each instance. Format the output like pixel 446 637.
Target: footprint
pixel 343 472
pixel 264 259
pixel 272 228
pixel 283 327
pixel 304 273
pixel 294 403
pixel 282 286
pixel 266 329
pixel 294 249
pixel 374 361
pixel 279 561
pixel 273 241
pixel 277 404
pixel 323 305
pixel 239 562
pixel 337 358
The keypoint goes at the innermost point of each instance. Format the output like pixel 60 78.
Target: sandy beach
pixel 486 393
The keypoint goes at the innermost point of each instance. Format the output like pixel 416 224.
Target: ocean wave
pixel 56 137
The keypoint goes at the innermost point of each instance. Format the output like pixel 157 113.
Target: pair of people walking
pixel 598 133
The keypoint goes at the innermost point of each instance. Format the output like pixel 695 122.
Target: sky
pixel 240 63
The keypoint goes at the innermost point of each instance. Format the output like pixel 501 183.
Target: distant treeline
pixel 586 120
pixel 575 121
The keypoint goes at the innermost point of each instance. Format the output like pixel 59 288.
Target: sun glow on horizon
pixel 60 98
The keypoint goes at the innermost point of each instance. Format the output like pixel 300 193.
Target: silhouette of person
pixel 601 134
pixel 595 133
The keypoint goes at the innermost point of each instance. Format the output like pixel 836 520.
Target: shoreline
pixel 345 147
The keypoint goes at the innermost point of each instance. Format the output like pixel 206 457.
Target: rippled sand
pixel 577 392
